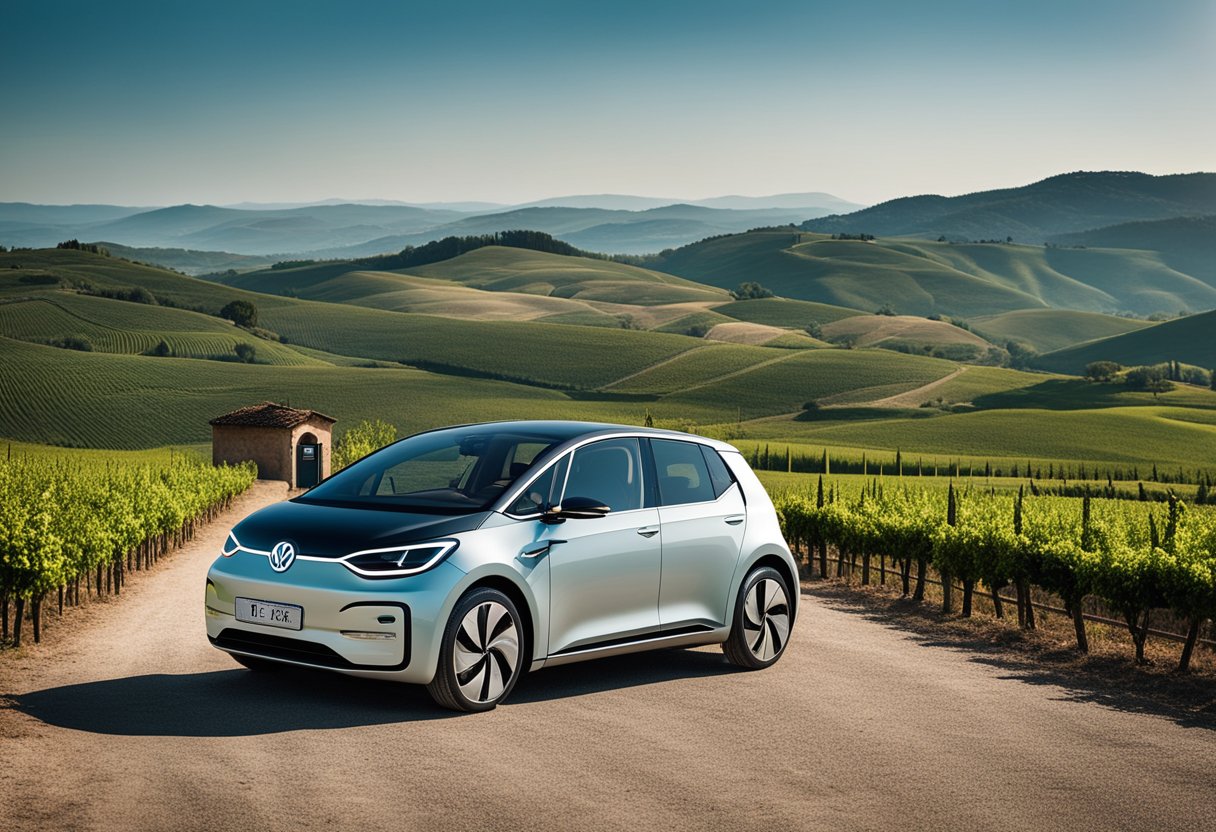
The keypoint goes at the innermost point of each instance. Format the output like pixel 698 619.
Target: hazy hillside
pixel 598 229
pixel 1186 243
pixel 1191 340
pixel 1053 329
pixel 613 223
pixel 1061 204
pixel 922 277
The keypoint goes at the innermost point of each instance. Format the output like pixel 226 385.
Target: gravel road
pixel 130 720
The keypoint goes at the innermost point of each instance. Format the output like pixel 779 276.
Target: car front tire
pixel 482 653
pixel 761 626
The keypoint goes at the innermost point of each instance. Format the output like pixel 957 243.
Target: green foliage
pixel 749 290
pixel 362 439
pixel 1152 379
pixel 60 519
pixel 1069 547
pixel 1102 370
pixel 241 312
pixel 73 342
pixel 245 353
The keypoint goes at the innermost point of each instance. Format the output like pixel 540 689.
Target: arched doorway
pixel 308 461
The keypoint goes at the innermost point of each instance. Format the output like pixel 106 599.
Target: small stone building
pixel 286 443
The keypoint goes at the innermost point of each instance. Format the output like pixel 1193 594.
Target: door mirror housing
pixel 575 508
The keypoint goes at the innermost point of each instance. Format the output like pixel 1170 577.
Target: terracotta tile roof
pixel 269 415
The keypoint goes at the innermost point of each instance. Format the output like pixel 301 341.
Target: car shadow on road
pixel 226 703
pixel 238 702
pixel 618 672
pixel 1109 681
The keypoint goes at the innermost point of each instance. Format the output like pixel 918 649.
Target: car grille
pixel 293 650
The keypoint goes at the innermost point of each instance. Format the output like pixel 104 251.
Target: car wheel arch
pixel 783 567
pixel 521 599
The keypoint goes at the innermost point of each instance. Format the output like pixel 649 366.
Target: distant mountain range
pixel 1064 204
pixel 611 223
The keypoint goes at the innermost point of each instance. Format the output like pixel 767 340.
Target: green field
pixel 1053 329
pixel 1191 340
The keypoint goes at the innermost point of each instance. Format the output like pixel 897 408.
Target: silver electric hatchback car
pixel 459 558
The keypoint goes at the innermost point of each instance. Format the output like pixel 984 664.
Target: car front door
pixel 703 518
pixel 604 576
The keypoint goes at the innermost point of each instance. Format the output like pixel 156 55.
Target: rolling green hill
pixel 1053 329
pixel 917 277
pixel 511 269
pixel 350 360
pixel 134 328
pixel 1186 243
pixel 1060 204
pixel 902 332
pixel 1191 340
pixel 785 312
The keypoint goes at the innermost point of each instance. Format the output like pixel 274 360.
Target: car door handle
pixel 734 519
pixel 648 531
pixel 535 550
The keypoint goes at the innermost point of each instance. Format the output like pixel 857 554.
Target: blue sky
pixel 159 103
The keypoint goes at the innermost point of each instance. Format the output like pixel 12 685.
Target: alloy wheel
pixel 766 619
pixel 486 652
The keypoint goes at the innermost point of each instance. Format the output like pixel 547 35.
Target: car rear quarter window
pixel 684 476
pixel 719 474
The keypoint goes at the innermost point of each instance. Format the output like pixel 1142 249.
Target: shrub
pixel 241 312
pixel 361 440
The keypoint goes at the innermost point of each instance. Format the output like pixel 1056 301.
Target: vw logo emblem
pixel 282 556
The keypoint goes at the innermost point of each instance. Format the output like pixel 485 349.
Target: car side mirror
pixel 575 508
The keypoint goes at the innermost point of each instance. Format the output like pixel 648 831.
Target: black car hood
pixel 331 532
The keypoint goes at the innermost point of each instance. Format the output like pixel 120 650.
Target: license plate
pixel 252 611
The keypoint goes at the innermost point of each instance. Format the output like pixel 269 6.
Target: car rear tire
pixel 761 626
pixel 482 653
pixel 254 663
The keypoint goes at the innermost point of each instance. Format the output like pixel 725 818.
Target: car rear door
pixel 703 518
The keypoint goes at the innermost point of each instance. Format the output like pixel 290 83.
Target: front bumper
pixel 341 611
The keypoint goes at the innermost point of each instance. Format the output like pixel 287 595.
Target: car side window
pixel 609 471
pixel 541 491
pixel 719 474
pixel 683 475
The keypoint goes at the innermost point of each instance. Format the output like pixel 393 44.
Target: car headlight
pixel 398 561
pixel 231 546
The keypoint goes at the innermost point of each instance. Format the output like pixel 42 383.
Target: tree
pixel 698 330
pixel 813 329
pixel 1213 383
pixel 162 349
pixel 241 312
pixel 246 353
pixel 1101 370
pixel 886 309
pixel 1150 379
pixel 1021 354
pixel 750 290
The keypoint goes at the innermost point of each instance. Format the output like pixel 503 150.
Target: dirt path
pixel 136 723
pixel 909 398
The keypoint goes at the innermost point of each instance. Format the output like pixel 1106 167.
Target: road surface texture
pixel 133 722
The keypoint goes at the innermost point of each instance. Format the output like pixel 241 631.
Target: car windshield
pixel 453 471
